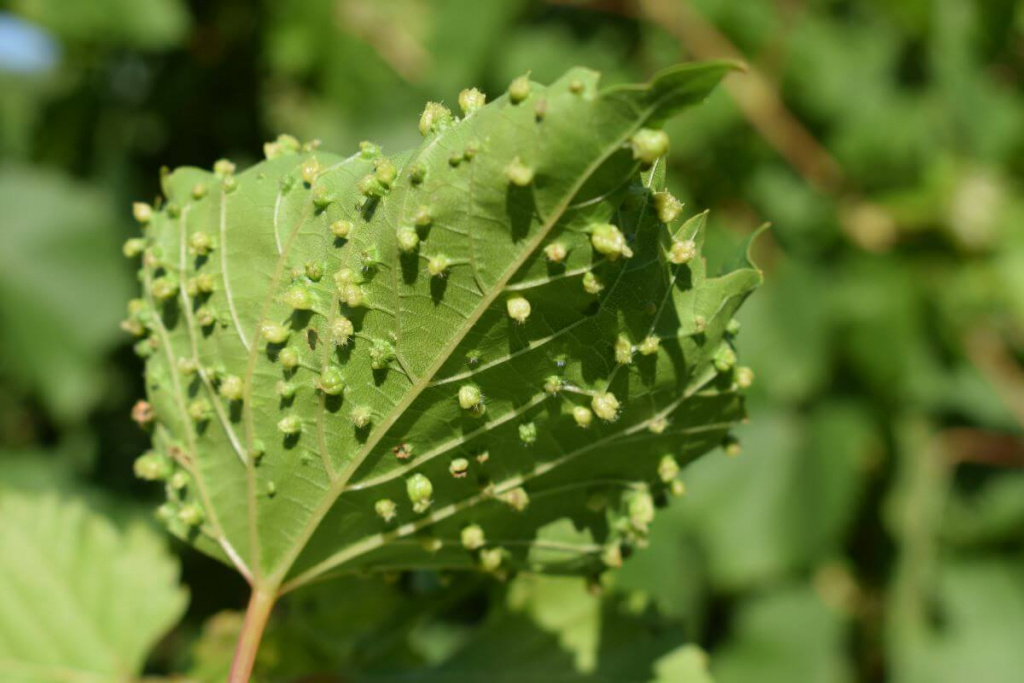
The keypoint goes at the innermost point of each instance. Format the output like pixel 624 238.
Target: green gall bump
pixel 470 152
pixel 299 297
pixel 472 537
pixel 555 252
pixel 491 559
pixel 284 144
pixel 289 358
pixel 198 191
pixel 314 270
pixel 682 252
pixel 609 240
pixel 257 451
pixel 286 390
pixel 200 243
pixel 649 346
pixel 732 328
pixel 289 425
pixel 423 218
pixel 518 309
pixel 623 350
pixel 341 331
pixel 232 388
pixel 310 171
pixel 744 377
pixel 432 545
pixel 205 283
pixel 516 498
pixel 435 117
pixel 640 507
pixel 700 323
pixel 382 352
pixel 133 247
pixel 519 89
pixel 668 207
pixel 191 515
pixel 649 145
pixel 668 469
pixel 605 406
pixel 188 366
pixel 576 86
pixel 470 100
pixel 142 212
pixel 471 398
pixel 583 416
pixel 611 556
pixel 518 173
pixel 165 287
pixel 417 174
pixel 592 284
pixel 229 184
pixel 407 240
pixel 145 348
pixel 271 489
pixel 553 384
pixel 677 488
pixel 369 186
pixel 385 509
pixel 528 433
pixel 152 466
pixel 332 382
pixel 352 296
pixel 173 210
pixel 731 446
pixel 369 150
pixel 341 228
pixel 458 468
pixel 179 480
pixel 385 172
pixel 420 490
pixel 199 410
pixel 438 265
pixel 658 425
pixel 274 332
pixel 361 417
pixel 725 358
pixel 206 317
pixel 540 110
pixel 223 168
pixel 370 258
pixel 322 198
pixel 483 457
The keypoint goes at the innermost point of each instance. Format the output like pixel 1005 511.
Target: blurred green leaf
pixel 784 636
pixel 81 601
pixel 145 24
pixel 63 285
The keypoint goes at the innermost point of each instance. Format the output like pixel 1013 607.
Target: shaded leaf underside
pixel 306 507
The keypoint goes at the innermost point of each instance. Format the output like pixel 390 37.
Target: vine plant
pixel 493 352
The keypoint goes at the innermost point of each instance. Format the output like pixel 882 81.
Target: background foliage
pixel 872 529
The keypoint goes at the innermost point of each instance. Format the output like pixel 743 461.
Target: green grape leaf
pixel 60 284
pixel 80 600
pixel 374 363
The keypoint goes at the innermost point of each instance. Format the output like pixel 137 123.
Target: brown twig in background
pixel 988 352
pixel 965 445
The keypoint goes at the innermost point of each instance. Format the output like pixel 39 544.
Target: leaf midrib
pixel 338 486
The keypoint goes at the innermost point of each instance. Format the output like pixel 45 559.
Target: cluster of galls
pixel 166 284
